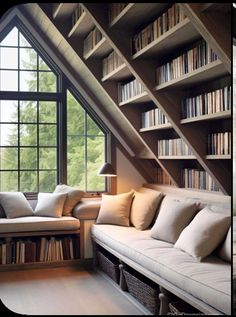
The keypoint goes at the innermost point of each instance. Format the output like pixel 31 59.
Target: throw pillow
pixel 201 237
pixel 225 250
pixel 173 217
pixel 144 207
pixel 50 205
pixel 15 205
pixel 115 209
pixel 74 195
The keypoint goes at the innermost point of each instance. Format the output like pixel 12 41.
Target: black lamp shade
pixel 107 170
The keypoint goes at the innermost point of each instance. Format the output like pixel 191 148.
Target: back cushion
pixel 225 250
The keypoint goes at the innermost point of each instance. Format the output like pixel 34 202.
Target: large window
pixel 31 127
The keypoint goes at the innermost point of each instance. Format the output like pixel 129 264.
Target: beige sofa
pixel 205 285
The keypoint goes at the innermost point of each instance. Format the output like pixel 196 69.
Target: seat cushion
pixel 209 281
pixel 26 224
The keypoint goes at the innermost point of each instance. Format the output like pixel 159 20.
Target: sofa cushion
pixel 172 218
pixel 143 208
pixel 208 281
pixel 50 205
pixel 87 208
pixel 206 231
pixel 15 204
pixel 115 209
pixel 27 224
pixel 225 249
pixel 74 195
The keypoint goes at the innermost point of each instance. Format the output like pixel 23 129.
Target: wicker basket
pixel 143 289
pixel 182 308
pixel 109 264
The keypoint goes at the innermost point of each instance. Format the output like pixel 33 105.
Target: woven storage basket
pixel 182 308
pixel 109 264
pixel 143 289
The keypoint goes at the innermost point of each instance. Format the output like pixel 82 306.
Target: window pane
pixel 28 111
pixel 28 81
pixel 47 135
pixel 95 159
pixel 47 181
pixel 9 80
pixel 9 158
pixel 28 181
pixel 92 127
pixel 47 82
pixel 28 158
pixel 8 134
pixel 43 65
pixel 75 117
pixel 9 58
pixel 8 111
pixel 11 39
pixel 8 181
pixel 47 112
pixel 28 135
pixel 47 158
pixel 76 161
pixel 23 41
pixel 28 58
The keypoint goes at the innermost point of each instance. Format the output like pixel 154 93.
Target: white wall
pixel 127 175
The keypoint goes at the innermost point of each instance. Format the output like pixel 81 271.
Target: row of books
pixel 92 40
pixel 173 147
pixel 163 178
pixel 198 179
pixel 115 9
pixel 153 118
pixel 162 24
pixel 39 250
pixel 77 14
pixel 207 103
pixel 111 62
pixel 192 59
pixel 130 90
pixel 219 143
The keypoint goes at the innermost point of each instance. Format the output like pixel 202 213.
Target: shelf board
pixel 157 127
pixel 211 116
pixel 82 26
pixel 63 10
pixel 177 157
pixel 120 73
pixel 205 73
pixel 219 157
pixel 143 97
pixel 101 49
pixel 180 34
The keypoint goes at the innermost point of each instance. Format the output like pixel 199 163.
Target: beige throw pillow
pixel 143 208
pixel 50 205
pixel 206 231
pixel 115 209
pixel 15 205
pixel 173 217
pixel 225 250
pixel 74 196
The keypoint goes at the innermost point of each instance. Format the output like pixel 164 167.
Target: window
pixel 35 155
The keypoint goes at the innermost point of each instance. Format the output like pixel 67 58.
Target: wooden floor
pixel 63 291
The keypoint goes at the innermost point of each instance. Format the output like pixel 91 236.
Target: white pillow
pixel 50 205
pixel 15 205
pixel 204 233
pixel 225 250
pixel 115 209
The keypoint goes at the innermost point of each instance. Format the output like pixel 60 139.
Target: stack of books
pixel 163 178
pixel 219 143
pixel 212 102
pixel 110 63
pixel 92 40
pixel 198 179
pixel 173 147
pixel 130 90
pixel 153 118
pixel 198 56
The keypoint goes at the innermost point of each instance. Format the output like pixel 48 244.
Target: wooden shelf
pixel 63 10
pixel 118 74
pixel 101 49
pixel 211 116
pixel 82 26
pixel 158 127
pixel 205 73
pixel 177 157
pixel 182 33
pixel 143 97
pixel 218 157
